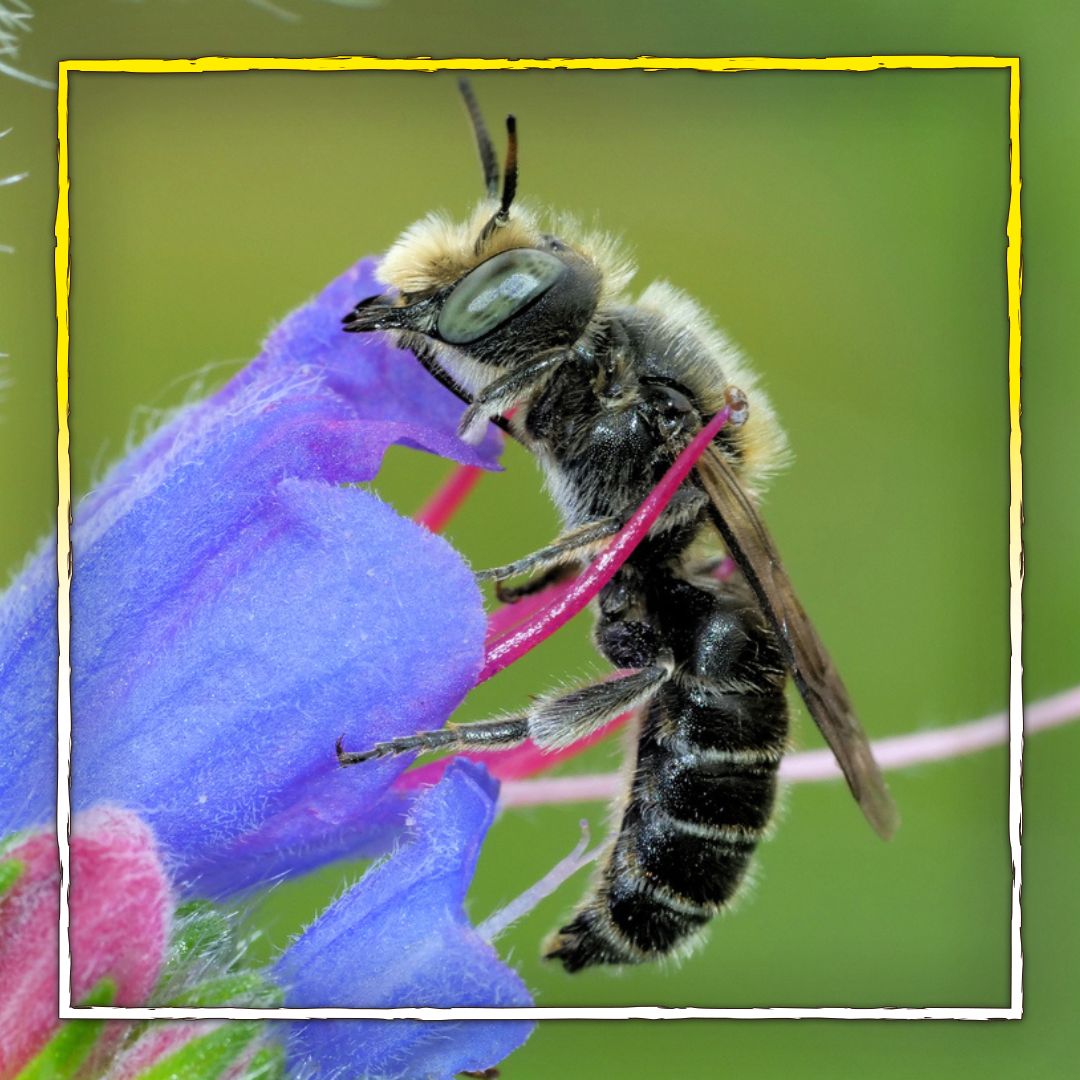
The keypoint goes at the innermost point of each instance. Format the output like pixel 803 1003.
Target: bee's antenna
pixel 509 186
pixel 488 161
pixel 509 189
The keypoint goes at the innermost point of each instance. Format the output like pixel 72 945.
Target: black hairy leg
pixel 579 543
pixel 511 594
pixel 490 735
pixel 505 392
pixel 564 719
pixel 424 351
pixel 552 722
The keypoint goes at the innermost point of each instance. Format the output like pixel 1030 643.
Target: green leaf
pixel 267 1064
pixel 249 988
pixel 200 931
pixel 10 872
pixel 12 840
pixel 206 1057
pixel 61 1056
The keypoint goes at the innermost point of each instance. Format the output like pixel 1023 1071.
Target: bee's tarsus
pixel 506 594
pixel 559 560
pixel 352 757
pixel 369 314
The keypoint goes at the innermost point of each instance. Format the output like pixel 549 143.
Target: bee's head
pixel 496 287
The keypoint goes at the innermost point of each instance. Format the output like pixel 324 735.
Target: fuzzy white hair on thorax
pixel 712 364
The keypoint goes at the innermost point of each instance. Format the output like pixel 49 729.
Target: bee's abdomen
pixel 696 810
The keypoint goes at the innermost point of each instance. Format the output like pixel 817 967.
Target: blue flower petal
pixel 235 610
pixel 381 382
pixel 310 354
pixel 212 681
pixel 28 671
pixel 400 938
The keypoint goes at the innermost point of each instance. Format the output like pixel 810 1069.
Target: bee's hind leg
pixel 563 719
pixel 553 722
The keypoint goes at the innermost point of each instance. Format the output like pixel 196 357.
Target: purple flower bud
pixel 401 936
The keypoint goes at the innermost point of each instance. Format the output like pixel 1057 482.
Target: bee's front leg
pixel 506 391
pixel 561 556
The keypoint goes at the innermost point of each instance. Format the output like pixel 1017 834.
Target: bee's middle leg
pixel 552 722
pixel 511 594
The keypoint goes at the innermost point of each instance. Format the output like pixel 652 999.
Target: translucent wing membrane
pixel 750 545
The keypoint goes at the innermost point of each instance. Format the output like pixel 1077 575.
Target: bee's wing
pixel 751 547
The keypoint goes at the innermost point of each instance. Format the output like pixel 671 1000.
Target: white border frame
pixel 1014 271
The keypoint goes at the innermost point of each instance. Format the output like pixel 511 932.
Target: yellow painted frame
pixel 1014 278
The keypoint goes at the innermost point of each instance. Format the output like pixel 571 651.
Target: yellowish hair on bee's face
pixel 436 252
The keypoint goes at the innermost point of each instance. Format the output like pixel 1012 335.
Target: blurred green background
pixel 848 231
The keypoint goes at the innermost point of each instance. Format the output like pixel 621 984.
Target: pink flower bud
pixel 29 913
pixel 157 1042
pixel 120 919
pixel 121 906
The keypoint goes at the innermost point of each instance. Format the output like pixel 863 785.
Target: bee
pixel 606 391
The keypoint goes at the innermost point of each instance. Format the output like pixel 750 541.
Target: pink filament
pixel 436 513
pixel 504 618
pixel 725 570
pixel 515 629
pixel 514 644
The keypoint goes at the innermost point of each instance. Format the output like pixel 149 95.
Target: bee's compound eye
pixel 495 291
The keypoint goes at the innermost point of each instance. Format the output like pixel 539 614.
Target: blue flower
pixel 401 934
pixel 236 607
pixel 235 610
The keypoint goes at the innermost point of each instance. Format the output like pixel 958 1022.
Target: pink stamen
pixel 725 569
pixel 511 646
pixel 448 499
pixel 504 618
pixel 436 513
